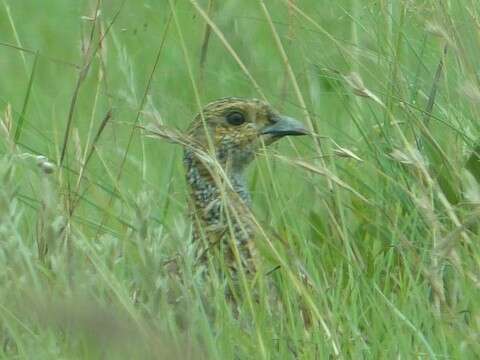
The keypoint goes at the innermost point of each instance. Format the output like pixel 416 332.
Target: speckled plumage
pixel 232 129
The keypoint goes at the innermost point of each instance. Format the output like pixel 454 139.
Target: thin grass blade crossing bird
pixel 232 130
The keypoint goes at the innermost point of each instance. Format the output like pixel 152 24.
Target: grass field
pixel 379 207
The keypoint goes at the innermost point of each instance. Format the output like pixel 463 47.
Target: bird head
pixel 237 128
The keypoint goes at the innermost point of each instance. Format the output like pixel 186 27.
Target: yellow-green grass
pixel 379 208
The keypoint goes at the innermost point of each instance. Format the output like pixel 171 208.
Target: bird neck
pixel 203 186
pixel 211 209
pixel 239 185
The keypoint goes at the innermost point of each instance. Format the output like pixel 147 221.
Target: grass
pixel 379 208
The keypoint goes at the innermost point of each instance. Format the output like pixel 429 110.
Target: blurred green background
pixel 380 207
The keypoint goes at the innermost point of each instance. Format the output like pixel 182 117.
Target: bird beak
pixel 285 126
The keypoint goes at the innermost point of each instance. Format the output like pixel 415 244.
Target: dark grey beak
pixel 285 126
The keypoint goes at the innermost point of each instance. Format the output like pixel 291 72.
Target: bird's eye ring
pixel 235 118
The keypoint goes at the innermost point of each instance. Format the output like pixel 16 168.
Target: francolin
pixel 232 130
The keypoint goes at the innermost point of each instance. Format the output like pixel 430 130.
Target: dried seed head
pixel 44 164
pixel 471 91
pixel 410 157
pixel 7 120
pixel 346 153
pixel 91 18
pixel 40 159
pixel 440 32
pixel 435 29
pixel 6 125
pixel 356 84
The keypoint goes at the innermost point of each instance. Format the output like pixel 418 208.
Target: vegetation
pixel 379 208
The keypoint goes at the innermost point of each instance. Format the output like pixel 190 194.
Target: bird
pixel 224 139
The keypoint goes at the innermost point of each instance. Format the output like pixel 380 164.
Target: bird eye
pixel 235 118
